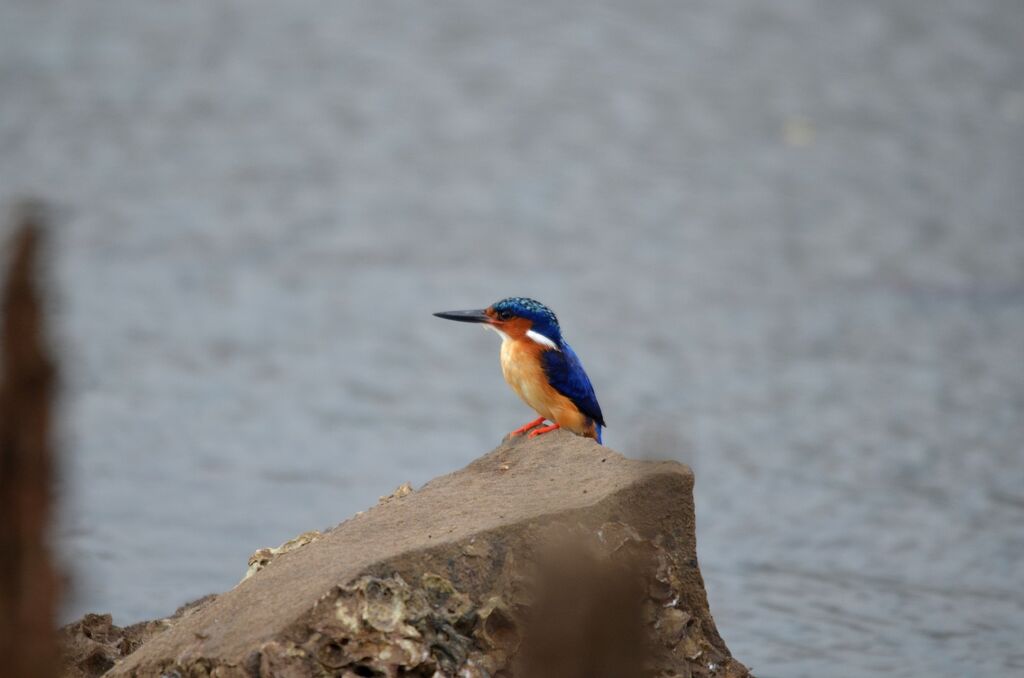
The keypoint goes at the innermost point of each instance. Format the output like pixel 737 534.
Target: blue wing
pixel 565 374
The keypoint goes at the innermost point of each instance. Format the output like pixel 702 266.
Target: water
pixel 786 242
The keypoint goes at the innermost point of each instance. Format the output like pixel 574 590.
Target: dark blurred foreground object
pixel 550 557
pixel 28 581
pixel 595 607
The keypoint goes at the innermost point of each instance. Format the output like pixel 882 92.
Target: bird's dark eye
pixel 504 315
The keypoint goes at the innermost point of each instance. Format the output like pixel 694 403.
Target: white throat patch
pixel 504 337
pixel 541 339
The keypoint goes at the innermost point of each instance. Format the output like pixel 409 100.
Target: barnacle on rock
pixel 401 491
pixel 262 557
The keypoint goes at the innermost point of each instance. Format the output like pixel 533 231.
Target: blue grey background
pixel 785 238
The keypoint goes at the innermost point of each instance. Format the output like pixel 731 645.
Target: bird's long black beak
pixel 465 316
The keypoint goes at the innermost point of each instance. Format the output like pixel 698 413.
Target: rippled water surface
pixel 787 241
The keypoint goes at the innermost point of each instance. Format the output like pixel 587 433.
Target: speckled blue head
pixel 543 319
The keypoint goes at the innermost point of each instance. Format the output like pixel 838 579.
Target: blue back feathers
pixel 563 368
pixel 566 375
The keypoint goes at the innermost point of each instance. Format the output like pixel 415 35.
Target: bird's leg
pixel 542 431
pixel 526 427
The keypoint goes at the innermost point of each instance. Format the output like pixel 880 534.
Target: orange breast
pixel 521 367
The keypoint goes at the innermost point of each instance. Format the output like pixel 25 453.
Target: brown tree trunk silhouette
pixel 28 582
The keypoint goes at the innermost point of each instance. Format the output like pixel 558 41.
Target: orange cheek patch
pixel 515 328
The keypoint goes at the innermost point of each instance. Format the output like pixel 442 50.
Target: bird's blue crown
pixel 543 318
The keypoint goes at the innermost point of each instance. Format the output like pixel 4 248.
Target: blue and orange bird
pixel 540 366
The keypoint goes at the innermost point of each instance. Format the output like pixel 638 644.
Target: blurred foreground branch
pixel 28 582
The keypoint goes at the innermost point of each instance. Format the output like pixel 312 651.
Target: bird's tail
pixel 597 429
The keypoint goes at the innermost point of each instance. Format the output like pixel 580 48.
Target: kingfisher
pixel 540 366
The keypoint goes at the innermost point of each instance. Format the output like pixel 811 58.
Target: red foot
pixel 542 431
pixel 526 427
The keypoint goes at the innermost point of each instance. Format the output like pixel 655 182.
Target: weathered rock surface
pixel 546 557
pixel 92 645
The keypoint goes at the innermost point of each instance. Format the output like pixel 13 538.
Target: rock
pixel 546 557
pixel 400 491
pixel 262 558
pixel 93 644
